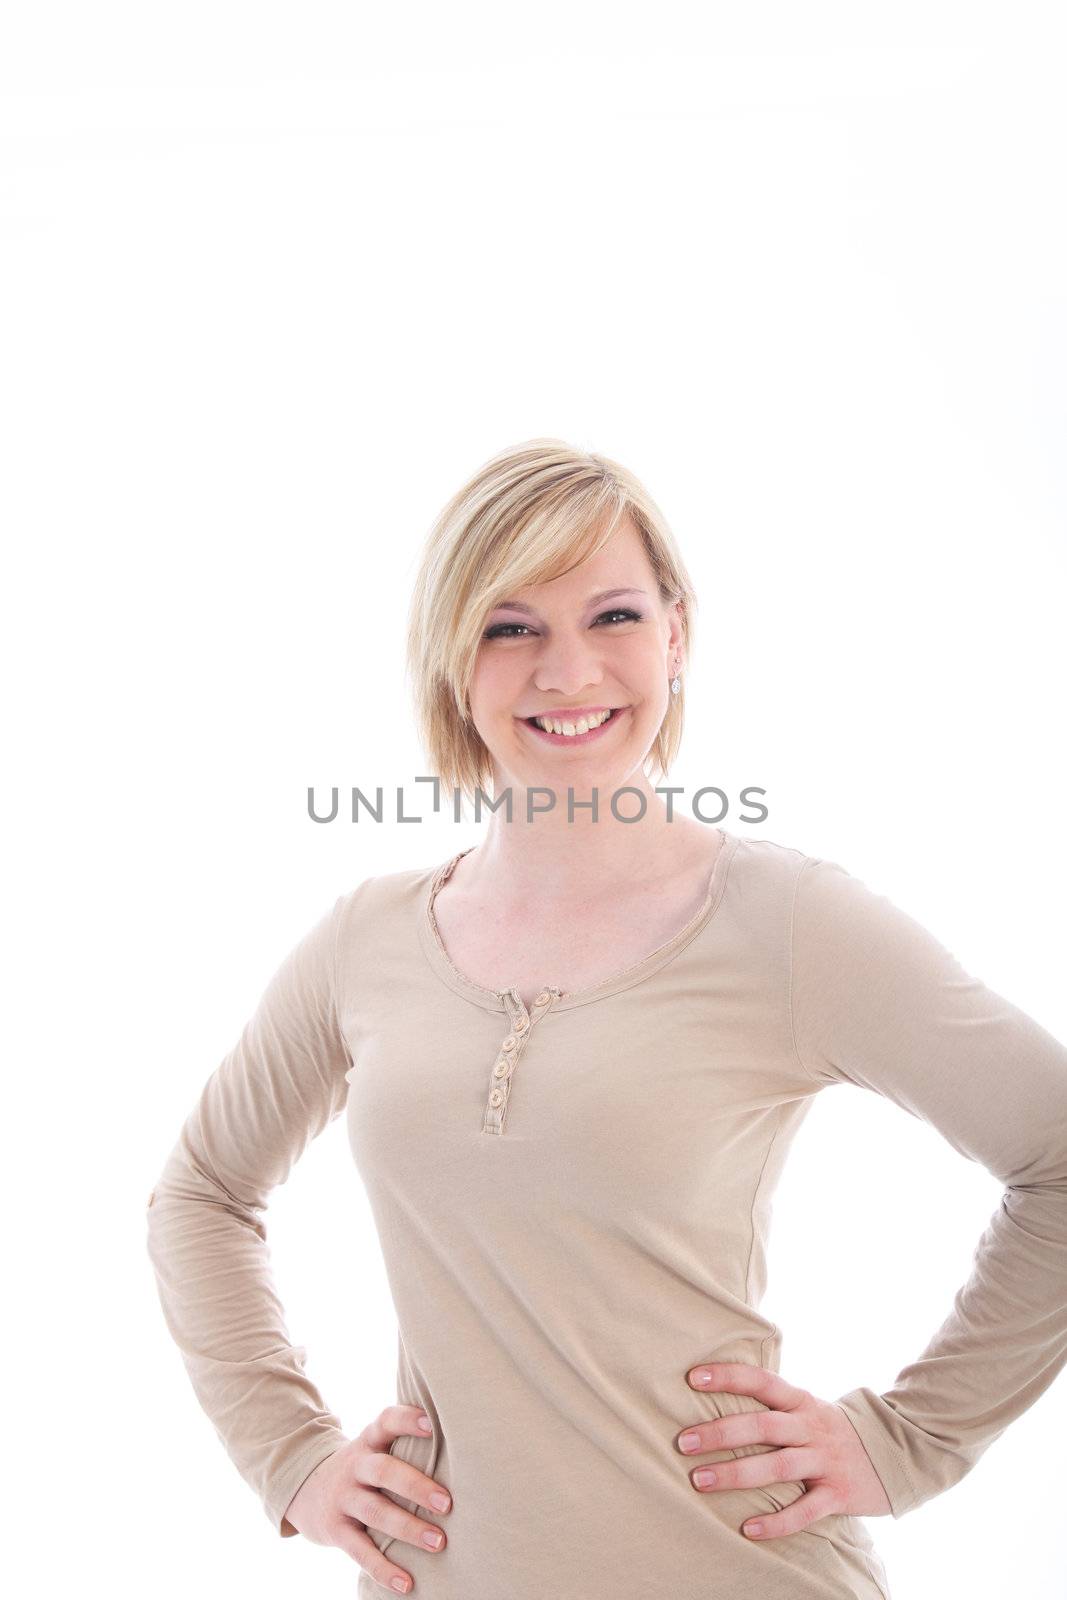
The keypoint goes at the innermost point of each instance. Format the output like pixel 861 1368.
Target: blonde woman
pixel 572 1059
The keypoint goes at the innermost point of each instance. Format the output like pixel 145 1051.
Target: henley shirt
pixel 573 1205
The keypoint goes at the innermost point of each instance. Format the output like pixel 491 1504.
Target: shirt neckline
pixel 636 972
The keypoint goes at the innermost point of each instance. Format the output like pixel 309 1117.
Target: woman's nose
pixel 566 668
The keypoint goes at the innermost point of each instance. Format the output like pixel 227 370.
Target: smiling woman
pixel 572 1059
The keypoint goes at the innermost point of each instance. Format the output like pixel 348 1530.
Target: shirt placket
pixel 520 1025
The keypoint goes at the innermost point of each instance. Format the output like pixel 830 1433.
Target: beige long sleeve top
pixel 573 1204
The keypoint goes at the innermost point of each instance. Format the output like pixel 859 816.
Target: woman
pixel 572 1060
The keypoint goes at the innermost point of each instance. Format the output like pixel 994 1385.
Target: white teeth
pixel 583 724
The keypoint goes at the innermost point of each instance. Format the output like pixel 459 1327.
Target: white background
pixel 275 281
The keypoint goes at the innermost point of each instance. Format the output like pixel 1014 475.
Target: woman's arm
pixel 878 1001
pixel 279 1086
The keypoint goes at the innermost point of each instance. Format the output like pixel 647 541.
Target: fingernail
pixel 433 1538
pixel 439 1502
pixel 702 1375
pixel 754 1528
pixel 705 1478
pixel 425 1423
pixel 689 1441
pixel 401 1584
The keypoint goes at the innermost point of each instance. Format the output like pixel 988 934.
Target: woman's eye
pixel 503 630
pixel 627 616
pixel 510 630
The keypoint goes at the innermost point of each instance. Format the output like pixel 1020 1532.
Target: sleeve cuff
pixel 282 1492
pixel 878 1426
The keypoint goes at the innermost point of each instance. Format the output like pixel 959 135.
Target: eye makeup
pixel 499 630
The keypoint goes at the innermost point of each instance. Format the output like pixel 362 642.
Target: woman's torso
pixel 573 1201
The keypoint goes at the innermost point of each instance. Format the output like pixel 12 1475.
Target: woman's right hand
pixel 339 1501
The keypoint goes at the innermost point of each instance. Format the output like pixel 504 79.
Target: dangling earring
pixel 676 682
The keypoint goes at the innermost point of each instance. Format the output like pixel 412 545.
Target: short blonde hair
pixel 529 514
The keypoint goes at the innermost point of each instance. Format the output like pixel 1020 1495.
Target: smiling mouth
pixel 587 737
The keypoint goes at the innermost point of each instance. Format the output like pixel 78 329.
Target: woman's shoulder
pixel 380 890
pixel 768 875
pixel 772 851
pixel 789 861
pixel 756 859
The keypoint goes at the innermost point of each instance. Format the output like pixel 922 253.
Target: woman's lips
pixel 575 738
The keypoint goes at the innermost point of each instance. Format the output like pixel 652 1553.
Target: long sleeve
pixel 878 1001
pixel 277 1089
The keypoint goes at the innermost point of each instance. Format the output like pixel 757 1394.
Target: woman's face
pixel 564 648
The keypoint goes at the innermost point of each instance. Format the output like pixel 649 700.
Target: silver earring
pixel 676 683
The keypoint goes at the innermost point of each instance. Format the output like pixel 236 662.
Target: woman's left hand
pixel 818 1446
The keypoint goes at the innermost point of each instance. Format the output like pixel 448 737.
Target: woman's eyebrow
pixel 593 600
